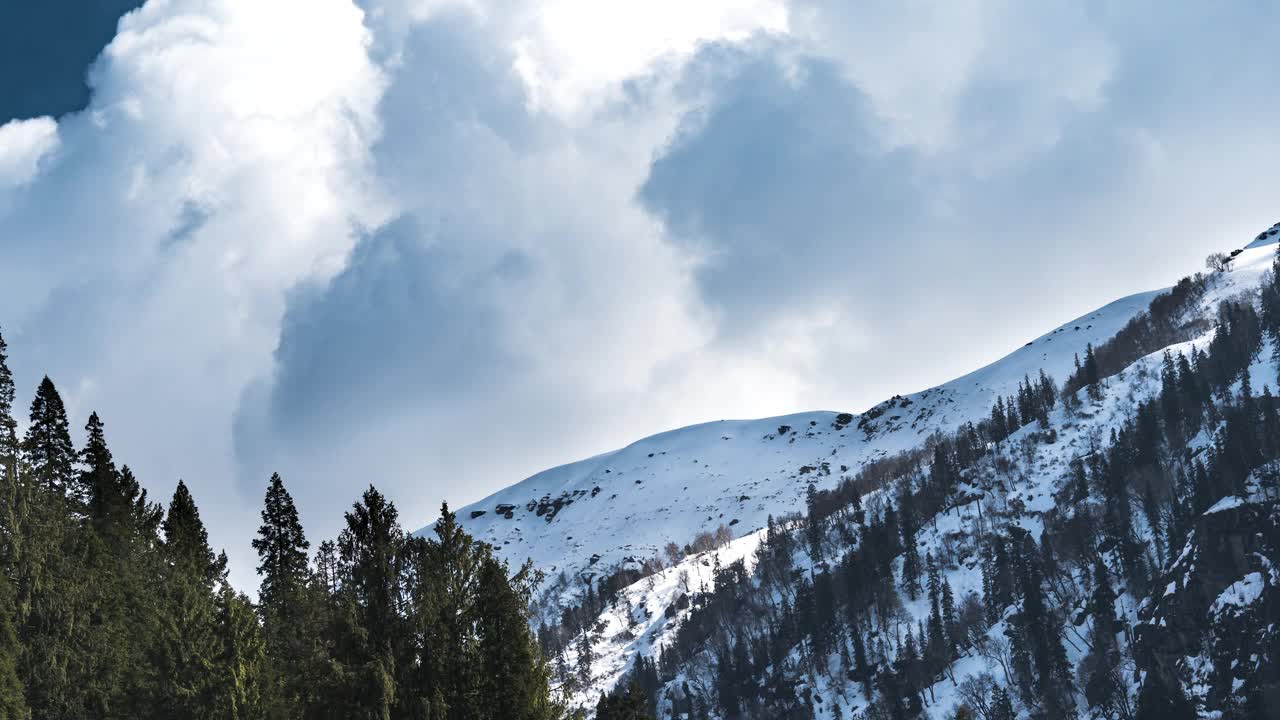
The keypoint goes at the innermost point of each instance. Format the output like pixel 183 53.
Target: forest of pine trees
pixel 115 606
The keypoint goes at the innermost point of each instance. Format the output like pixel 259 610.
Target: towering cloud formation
pixel 439 244
pixel 223 162
pixel 22 145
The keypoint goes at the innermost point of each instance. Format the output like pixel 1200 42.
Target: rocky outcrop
pixel 1223 585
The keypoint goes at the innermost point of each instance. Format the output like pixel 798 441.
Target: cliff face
pixel 1218 619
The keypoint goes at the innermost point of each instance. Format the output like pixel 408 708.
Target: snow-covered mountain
pixel 607 519
pixel 628 504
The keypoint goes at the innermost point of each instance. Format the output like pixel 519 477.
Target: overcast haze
pixel 439 246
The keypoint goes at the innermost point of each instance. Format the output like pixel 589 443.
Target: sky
pixel 439 245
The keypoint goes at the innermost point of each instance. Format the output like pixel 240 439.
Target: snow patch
pixel 1240 594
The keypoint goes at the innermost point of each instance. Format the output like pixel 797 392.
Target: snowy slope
pixel 1021 493
pixel 593 514
pixel 1267 237
pixel 588 517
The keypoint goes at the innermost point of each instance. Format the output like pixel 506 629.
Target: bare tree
pixel 673 553
pixel 1218 262
pixel 996 650
pixel 976 691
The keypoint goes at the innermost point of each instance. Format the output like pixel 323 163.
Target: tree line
pixel 115 606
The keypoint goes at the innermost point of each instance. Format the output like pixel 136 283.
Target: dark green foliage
pixel 13 704
pixel 112 607
pixel 1103 685
pixel 1002 706
pixel 186 644
pixel 47 446
pixel 239 666
pixel 629 704
pixel 9 447
pixel 289 605
pixel 1091 374
pixel 1159 701
pixel 1161 325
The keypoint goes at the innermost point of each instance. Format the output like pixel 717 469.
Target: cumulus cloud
pixel 221 163
pixel 933 167
pixel 521 301
pixel 441 244
pixel 22 144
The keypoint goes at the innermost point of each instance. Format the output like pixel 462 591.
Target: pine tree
pixel 1100 668
pixel 935 647
pixel 862 671
pixel 186 542
pixel 586 656
pixel 1158 700
pixel 629 703
pixel 52 603
pixel 187 645
pixel 109 501
pixel 107 678
pixel 1040 637
pixel 9 447
pixel 1079 481
pixel 513 675
pixel 112 608
pixel 949 621
pixel 47 444
pixel 13 704
pixel 1092 377
pixel 1002 706
pixel 370 550
pixel 284 601
pixel 239 665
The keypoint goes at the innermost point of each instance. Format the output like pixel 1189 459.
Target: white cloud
pixel 407 248
pixel 917 60
pixel 22 145
pixel 223 163
pixel 572 52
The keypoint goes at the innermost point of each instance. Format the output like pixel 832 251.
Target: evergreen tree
pixel 99 474
pixel 370 551
pixel 239 665
pixel 1092 377
pixel 107 558
pixel 1002 705
pixel 1039 639
pixel 628 704
pixel 52 602
pixel 862 671
pixel 1160 701
pixel 112 608
pixel 513 675
pixel 910 565
pixel 9 447
pixel 935 647
pixel 1100 668
pixel 813 526
pixel 950 622
pixel 12 701
pixel 586 656
pixel 187 646
pixel 47 445
pixel 285 602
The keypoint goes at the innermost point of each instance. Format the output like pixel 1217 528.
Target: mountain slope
pixel 739 630
pixel 627 504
